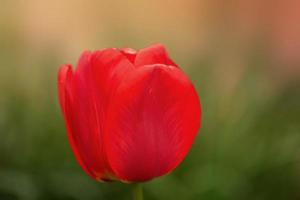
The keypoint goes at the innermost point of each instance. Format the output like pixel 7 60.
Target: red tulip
pixel 130 116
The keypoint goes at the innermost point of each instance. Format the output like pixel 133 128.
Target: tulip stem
pixel 137 191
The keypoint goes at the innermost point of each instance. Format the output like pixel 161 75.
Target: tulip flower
pixel 130 115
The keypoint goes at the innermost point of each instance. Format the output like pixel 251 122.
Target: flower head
pixel 130 115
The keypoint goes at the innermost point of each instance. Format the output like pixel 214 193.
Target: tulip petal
pixel 155 54
pixel 94 79
pixel 152 122
pixel 65 76
pixel 129 53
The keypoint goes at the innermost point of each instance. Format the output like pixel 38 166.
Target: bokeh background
pixel 242 55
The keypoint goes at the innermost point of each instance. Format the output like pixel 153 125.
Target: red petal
pixel 155 54
pixel 93 82
pixel 152 122
pixel 129 53
pixel 65 76
pixel 109 67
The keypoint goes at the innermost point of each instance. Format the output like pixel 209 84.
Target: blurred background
pixel 242 55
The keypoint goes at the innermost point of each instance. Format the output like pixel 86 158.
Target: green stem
pixel 137 191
